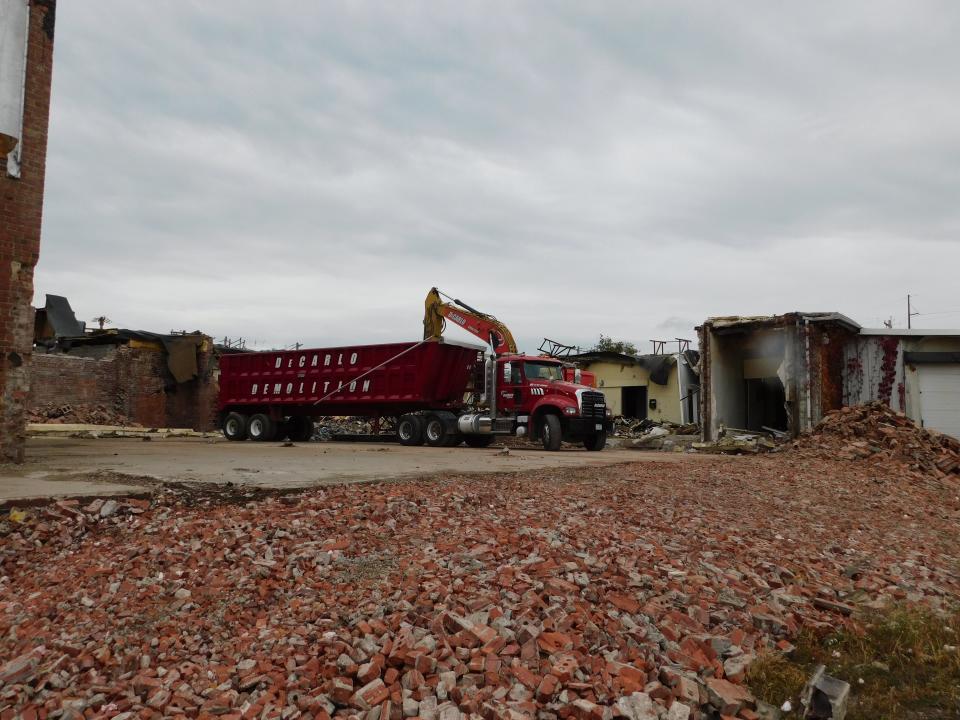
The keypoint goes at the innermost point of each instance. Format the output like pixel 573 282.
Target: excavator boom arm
pixel 485 327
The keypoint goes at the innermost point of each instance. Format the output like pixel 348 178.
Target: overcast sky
pixel 300 171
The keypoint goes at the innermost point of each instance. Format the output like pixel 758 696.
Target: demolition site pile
pixel 641 591
pixel 78 415
pixel 876 433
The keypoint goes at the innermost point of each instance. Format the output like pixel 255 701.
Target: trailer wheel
pixel 261 428
pixel 551 433
pixel 410 430
pixel 235 426
pixel 435 432
pixel 479 441
pixel 596 442
pixel 300 428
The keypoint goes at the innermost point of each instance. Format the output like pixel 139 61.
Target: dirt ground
pixel 573 590
pixel 63 466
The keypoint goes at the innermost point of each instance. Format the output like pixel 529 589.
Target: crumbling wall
pixel 194 404
pixel 733 359
pixel 133 382
pixel 726 397
pixel 873 370
pixel 68 380
pixel 827 348
pixel 21 205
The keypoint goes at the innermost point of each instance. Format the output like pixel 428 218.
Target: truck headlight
pixel 570 411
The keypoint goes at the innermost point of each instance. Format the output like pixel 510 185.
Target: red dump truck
pixel 437 392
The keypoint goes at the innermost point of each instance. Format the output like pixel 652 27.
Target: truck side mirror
pixel 578 376
pixel 507 372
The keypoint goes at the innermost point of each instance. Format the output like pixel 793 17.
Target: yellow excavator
pixel 486 327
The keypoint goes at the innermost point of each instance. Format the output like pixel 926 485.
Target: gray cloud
pixel 306 173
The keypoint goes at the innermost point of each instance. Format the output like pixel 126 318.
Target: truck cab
pixel 546 406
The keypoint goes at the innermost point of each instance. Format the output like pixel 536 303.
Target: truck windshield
pixel 542 371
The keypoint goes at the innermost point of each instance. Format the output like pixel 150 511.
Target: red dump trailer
pixel 437 391
pixel 361 380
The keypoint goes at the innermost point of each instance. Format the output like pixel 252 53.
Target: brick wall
pixel 132 381
pixel 194 404
pixel 21 205
pixel 66 380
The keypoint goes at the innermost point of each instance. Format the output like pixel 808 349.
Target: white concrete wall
pixel 688 381
pixel 870 360
pixel 871 365
pixel 14 21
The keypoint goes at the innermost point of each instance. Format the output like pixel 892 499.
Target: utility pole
pixel 910 314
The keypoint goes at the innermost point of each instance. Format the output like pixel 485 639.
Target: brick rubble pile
pixel 55 413
pixel 879 434
pixel 642 591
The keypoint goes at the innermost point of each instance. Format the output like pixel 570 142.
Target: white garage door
pixel 940 397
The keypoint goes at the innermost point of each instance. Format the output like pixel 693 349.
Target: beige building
pixel 659 387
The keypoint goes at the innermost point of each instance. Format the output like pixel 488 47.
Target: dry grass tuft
pixel 901 663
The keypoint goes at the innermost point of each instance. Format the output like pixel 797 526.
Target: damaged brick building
pixel 781 372
pixel 26 67
pixel 785 372
pixel 151 379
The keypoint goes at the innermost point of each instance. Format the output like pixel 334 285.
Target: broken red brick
pixel 371 694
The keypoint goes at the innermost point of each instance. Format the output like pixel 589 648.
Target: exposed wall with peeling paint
pixel 873 370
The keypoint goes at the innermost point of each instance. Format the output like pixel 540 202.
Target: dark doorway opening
pixel 633 402
pixel 766 404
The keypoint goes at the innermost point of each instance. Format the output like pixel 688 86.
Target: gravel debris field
pixel 641 591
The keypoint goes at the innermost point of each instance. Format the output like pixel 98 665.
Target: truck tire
pixel 596 442
pixel 261 428
pixel 235 426
pixel 551 433
pixel 479 441
pixel 300 428
pixel 435 432
pixel 410 430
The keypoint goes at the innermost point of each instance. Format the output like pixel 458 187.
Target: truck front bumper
pixel 584 427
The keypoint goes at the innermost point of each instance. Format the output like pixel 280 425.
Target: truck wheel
pixel 300 428
pixel 551 432
pixel 435 432
pixel 410 430
pixel 453 439
pixel 479 441
pixel 596 442
pixel 235 426
pixel 261 428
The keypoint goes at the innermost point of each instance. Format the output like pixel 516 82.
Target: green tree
pixel 608 344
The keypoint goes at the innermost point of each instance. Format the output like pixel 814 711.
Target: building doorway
pixel 765 404
pixel 633 402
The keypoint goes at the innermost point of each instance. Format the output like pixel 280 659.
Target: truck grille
pixel 594 405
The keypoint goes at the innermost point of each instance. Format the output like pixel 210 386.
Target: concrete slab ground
pixel 63 466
